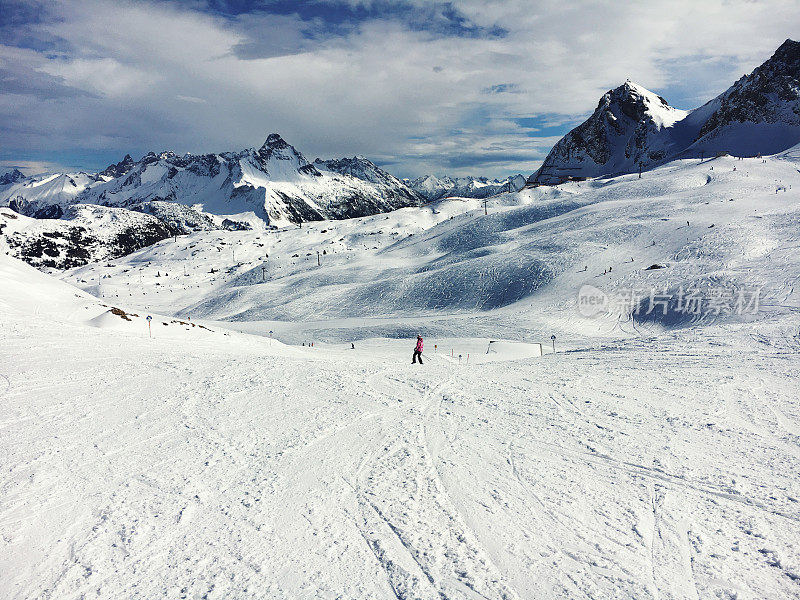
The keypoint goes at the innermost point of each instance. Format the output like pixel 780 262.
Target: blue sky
pixel 472 87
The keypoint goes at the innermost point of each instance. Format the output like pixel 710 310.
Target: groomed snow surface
pixel 647 458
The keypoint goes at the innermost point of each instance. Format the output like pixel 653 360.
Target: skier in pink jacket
pixel 417 351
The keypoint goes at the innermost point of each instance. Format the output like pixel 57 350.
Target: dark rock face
pixel 54 211
pixel 177 218
pixel 309 170
pixel 206 165
pixel 18 205
pixel 232 225
pixel 32 209
pixel 628 129
pixel 119 169
pixel 299 210
pixel 14 176
pixel 632 128
pixel 770 94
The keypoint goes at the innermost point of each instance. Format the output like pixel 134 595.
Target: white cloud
pixel 32 167
pixel 191 99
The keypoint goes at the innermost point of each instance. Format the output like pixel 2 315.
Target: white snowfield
pixel 654 457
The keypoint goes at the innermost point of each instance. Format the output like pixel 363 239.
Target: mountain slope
pixel 521 264
pixel 274 182
pixel 433 188
pixel 44 196
pixel 760 113
pixel 633 128
pixel 86 233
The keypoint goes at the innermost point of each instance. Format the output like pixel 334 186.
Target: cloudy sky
pixel 473 87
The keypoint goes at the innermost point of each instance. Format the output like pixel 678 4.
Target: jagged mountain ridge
pixel 633 128
pixel 274 183
pixel 433 188
pixel 85 217
pixel 119 169
pixel 13 176
pixel 760 113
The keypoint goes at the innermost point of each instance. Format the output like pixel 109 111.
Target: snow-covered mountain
pixel 163 194
pixel 629 127
pixel 650 452
pixel 86 233
pixel 13 176
pixel 760 113
pixel 274 182
pixel 634 128
pixel 44 196
pixel 433 188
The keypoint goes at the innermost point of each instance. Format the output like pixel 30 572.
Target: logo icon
pixel 592 301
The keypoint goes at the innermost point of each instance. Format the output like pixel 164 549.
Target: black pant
pixel 417 355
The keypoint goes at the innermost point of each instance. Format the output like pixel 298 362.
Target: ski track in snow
pixel 235 474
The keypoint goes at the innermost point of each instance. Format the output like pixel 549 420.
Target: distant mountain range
pixel 274 183
pixel 434 188
pixel 68 219
pixel 633 128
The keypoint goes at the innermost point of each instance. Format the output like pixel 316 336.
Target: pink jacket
pixel 419 345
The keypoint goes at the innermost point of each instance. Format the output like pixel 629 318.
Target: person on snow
pixel 417 351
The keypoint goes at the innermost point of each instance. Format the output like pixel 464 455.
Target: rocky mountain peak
pixel 274 140
pixel 624 132
pixel 119 169
pixel 12 177
pixel 275 147
pixel 788 52
pixel 638 103
pixel 770 94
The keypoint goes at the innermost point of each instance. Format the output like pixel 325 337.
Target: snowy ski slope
pixel 520 266
pixel 654 457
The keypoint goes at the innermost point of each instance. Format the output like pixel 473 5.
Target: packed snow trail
pixel 171 468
